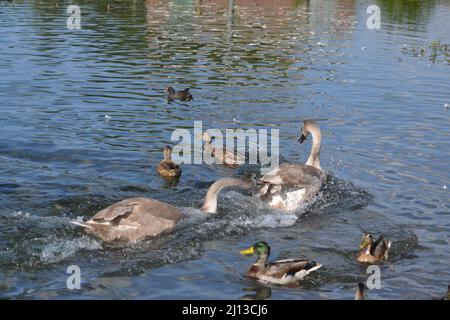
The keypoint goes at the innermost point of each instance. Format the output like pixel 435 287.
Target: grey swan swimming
pixel 135 219
pixel 290 186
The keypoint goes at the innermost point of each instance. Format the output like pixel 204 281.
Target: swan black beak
pixel 302 138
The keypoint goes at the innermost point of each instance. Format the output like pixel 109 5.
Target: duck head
pixel 308 127
pixel 366 241
pixel 260 248
pixel 170 90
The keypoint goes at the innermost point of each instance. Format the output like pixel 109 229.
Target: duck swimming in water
pixel 373 252
pixel 167 168
pixel 291 186
pixel 183 95
pixel 135 219
pixel 361 290
pixel 283 272
pixel 229 158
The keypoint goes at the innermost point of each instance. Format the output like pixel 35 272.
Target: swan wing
pixel 295 175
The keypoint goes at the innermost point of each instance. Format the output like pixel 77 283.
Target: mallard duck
pixel 291 186
pixel 183 95
pixel 167 168
pixel 135 219
pixel 282 272
pixel 373 252
pixel 360 291
pixel 229 158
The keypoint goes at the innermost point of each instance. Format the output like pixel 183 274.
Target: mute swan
pixel 373 252
pixel 290 186
pixel 167 168
pixel 134 219
pixel 229 158
pixel 283 272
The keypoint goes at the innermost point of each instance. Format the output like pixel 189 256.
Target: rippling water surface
pixel 379 96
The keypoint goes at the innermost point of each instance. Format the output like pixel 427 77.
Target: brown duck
pixel 167 168
pixel 227 157
pixel 373 252
pixel 361 290
pixel 183 95
pixel 283 272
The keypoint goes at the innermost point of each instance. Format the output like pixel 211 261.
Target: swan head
pixel 309 126
pixel 367 240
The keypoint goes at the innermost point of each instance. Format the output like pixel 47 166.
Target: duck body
pixel 135 219
pixel 226 157
pixel 293 186
pixel 183 95
pixel 373 251
pixel 167 168
pixel 282 272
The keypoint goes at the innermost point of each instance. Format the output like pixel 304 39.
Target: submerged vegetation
pixel 436 52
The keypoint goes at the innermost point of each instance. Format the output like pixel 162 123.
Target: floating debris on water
pixel 107 117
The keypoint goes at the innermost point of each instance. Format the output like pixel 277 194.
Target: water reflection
pixel 260 293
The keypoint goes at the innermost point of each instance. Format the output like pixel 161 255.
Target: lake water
pixel 379 97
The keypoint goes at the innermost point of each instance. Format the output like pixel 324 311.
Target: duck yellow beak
pixel 362 245
pixel 248 251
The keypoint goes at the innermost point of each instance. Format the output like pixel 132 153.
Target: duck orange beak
pixel 248 251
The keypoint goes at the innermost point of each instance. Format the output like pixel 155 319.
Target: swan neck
pixel 314 156
pixel 210 202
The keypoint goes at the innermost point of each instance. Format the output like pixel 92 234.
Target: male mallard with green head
pixel 282 272
pixel 183 95
pixel 373 252
pixel 167 168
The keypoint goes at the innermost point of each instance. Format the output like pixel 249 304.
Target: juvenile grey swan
pixel 134 219
pixel 291 186
pixel 229 158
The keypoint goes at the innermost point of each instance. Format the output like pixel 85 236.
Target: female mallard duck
pixel 360 291
pixel 134 219
pixel 282 272
pixel 167 168
pixel 373 252
pixel 183 95
pixel 229 158
pixel 291 186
